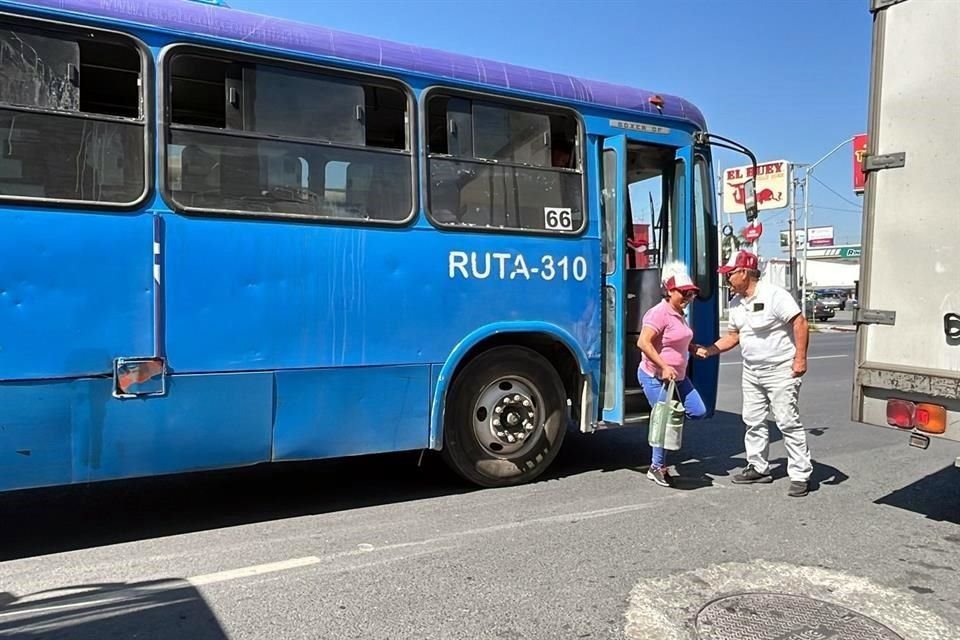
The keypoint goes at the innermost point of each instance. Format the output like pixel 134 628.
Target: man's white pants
pixel 774 389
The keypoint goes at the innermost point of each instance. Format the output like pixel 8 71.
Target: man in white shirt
pixel 772 333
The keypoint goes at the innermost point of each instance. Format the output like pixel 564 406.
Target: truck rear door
pixel 908 351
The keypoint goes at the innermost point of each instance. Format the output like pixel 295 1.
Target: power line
pixel 835 209
pixel 836 193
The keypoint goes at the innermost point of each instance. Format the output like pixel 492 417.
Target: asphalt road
pixel 379 547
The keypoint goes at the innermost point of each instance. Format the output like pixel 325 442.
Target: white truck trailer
pixel 908 322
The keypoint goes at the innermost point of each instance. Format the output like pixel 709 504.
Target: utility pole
pixel 806 206
pixel 792 233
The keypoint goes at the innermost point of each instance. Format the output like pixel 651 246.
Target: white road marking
pixel 124 594
pixel 739 362
pixel 254 570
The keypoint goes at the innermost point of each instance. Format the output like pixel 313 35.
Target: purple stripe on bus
pixel 221 22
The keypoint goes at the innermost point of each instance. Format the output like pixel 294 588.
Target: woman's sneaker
pixel 660 476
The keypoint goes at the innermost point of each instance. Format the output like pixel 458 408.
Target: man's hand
pixel 799 367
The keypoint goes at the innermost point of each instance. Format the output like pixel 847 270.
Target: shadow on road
pixel 78 517
pixel 146 610
pixel 936 496
pixel 711 447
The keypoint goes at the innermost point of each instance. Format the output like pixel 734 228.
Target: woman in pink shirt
pixel 666 343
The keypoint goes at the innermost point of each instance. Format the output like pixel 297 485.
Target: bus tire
pixel 505 417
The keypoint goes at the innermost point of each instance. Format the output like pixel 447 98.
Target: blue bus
pixel 228 239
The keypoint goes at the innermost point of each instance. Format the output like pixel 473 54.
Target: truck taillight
pixel 901 413
pixel 931 418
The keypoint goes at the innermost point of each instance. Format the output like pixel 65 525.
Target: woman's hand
pixel 668 373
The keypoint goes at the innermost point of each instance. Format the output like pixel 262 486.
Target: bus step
pixel 635 403
pixel 630 420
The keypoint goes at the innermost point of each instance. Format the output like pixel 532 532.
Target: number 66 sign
pixel 558 218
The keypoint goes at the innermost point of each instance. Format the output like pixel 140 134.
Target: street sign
pixel 753 231
pixel 772 186
pixel 859 151
pixel 850 252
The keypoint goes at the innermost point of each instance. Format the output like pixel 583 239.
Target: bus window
pixel 335 182
pixel 651 182
pixel 501 166
pixel 511 135
pixel 678 206
pixel 705 230
pixel 267 139
pixel 71 123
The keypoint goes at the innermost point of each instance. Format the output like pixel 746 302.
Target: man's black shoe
pixel 798 489
pixel 752 476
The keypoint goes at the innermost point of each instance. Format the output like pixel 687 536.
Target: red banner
pixel 753 231
pixel 859 151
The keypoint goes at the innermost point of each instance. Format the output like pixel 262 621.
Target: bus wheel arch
pixel 507 406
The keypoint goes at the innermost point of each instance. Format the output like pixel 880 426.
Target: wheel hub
pixel 507 416
pixel 513 418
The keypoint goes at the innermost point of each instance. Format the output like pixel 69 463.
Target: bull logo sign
pixel 773 186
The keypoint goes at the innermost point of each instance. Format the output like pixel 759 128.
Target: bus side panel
pixel 38 443
pixel 204 422
pixel 248 294
pixel 75 431
pixel 76 291
pixel 257 295
pixel 351 411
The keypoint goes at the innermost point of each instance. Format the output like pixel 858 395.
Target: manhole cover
pixel 780 616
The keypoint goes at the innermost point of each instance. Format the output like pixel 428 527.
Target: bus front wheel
pixel 505 417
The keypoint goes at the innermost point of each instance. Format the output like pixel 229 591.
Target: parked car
pixel 831 299
pixel 818 311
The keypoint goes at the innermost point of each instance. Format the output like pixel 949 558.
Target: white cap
pixel 676 277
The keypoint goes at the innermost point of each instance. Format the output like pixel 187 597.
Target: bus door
pixel 704 256
pixel 614 197
pixel 644 194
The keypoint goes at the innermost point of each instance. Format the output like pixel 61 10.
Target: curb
pixel 845 328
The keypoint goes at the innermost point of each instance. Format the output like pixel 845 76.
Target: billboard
pixel 773 186
pixel 859 151
pixel 820 236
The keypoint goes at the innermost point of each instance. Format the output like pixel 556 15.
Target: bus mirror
pixel 750 199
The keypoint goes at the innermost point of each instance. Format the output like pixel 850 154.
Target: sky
pixel 787 78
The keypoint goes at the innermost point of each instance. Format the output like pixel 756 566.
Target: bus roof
pixel 221 22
